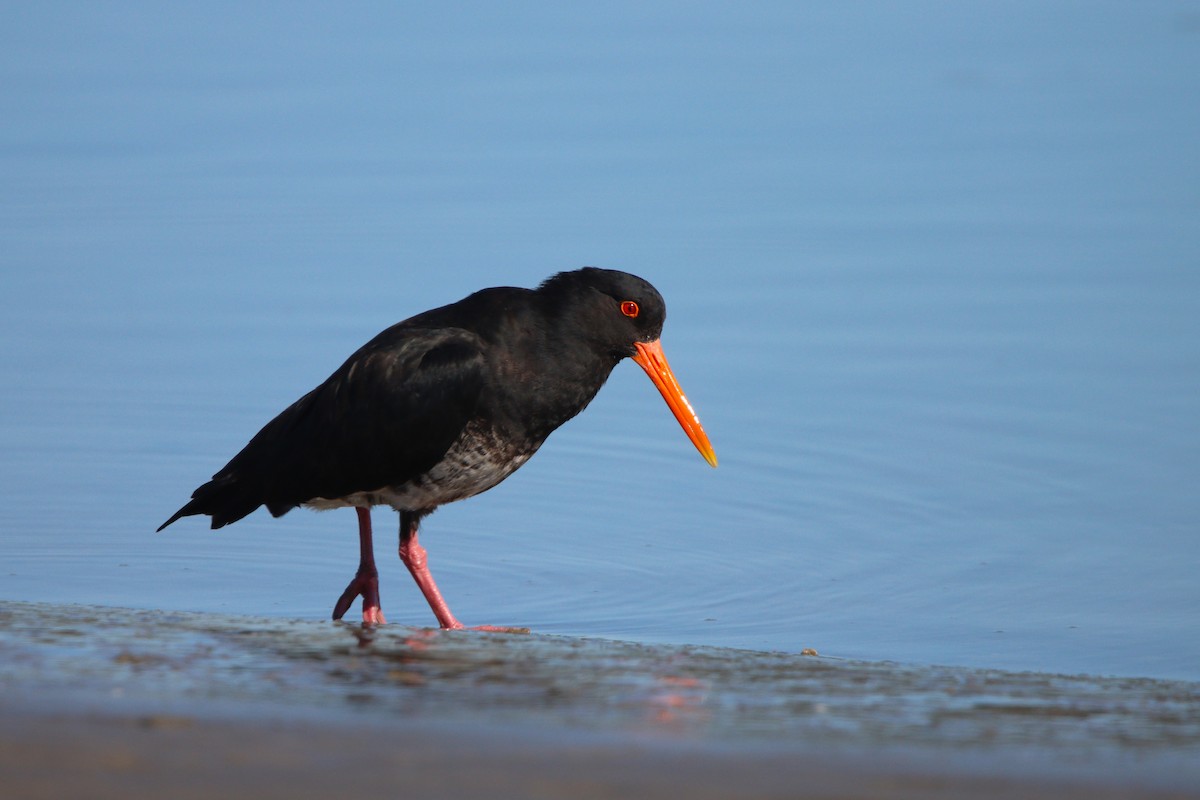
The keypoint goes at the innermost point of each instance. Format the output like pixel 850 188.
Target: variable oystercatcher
pixel 443 406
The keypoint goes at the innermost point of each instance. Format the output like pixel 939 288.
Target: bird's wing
pixel 385 416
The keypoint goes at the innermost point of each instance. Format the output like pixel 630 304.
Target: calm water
pixel 932 273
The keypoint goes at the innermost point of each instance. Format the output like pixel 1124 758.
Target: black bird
pixel 443 406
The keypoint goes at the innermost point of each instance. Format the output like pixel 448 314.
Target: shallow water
pixel 932 279
pixel 88 658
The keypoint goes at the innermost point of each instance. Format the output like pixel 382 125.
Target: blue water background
pixel 932 269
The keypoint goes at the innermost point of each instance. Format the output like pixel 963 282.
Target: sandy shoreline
pixel 102 702
pixel 182 757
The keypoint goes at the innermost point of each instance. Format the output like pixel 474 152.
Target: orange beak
pixel 650 357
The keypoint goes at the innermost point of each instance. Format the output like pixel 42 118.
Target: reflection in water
pixel 716 695
pixel 677 704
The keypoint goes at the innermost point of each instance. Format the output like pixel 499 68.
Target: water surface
pixel 931 273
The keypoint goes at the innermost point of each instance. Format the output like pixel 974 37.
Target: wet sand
pixel 107 702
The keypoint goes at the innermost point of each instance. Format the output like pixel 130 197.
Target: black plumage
pixel 447 404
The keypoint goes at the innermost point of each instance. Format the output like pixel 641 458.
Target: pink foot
pixel 366 586
pixel 497 629
pixel 366 580
pixel 414 557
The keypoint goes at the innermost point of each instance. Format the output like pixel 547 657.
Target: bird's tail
pixel 225 498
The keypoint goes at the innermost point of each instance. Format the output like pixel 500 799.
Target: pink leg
pixel 366 580
pixel 414 557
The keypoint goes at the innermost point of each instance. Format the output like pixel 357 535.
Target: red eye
pixel 629 308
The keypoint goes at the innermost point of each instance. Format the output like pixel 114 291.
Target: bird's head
pixel 623 315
